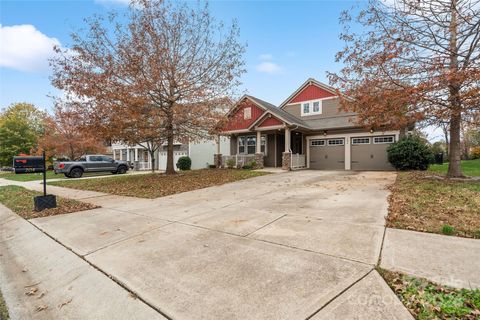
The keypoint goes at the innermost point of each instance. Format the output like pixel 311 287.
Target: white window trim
pixel 245 146
pixel 310 102
pixel 357 143
pixel 389 136
pixel 318 145
pixel 337 144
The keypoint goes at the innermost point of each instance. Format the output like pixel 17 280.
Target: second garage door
pixel 327 154
pixel 370 153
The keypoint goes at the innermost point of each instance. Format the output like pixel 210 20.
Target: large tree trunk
pixel 169 128
pixel 454 168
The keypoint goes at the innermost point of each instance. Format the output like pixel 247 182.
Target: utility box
pixel 28 164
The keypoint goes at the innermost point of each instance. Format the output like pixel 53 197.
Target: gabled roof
pixel 306 83
pixel 274 110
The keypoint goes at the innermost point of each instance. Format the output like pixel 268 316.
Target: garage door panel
pixel 370 156
pixel 327 157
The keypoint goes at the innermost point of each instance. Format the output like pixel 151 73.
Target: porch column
pixel 113 152
pixel 287 155
pixel 136 154
pixel 259 159
pixel 128 154
pixel 217 157
pixel 287 139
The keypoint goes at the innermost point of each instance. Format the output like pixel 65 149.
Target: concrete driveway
pixel 296 245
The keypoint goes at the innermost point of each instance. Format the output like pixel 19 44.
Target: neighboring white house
pixel 200 152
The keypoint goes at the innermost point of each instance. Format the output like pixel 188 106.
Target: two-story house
pixel 308 129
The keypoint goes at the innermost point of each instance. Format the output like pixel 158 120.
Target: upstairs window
pixel 311 107
pixel 247 113
pixel 306 108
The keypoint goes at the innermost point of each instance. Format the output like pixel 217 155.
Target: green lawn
pixel 156 185
pixel 30 176
pixel 20 201
pixel 428 300
pixel 469 167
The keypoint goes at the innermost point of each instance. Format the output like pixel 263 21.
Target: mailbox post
pixel 29 164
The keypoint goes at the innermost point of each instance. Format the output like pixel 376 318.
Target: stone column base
pixel 259 161
pixel 286 160
pixel 217 160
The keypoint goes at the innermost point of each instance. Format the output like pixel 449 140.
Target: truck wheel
pixel 67 175
pixel 76 173
pixel 122 170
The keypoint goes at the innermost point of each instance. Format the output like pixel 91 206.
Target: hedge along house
pixel 308 130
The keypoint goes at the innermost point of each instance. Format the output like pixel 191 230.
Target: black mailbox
pixel 28 164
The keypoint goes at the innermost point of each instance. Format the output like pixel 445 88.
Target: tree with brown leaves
pixel 65 136
pixel 413 61
pixel 170 61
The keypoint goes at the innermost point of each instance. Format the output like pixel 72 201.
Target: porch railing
pixel 240 160
pixel 298 161
pixel 144 165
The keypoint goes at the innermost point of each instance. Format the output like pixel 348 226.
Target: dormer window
pixel 312 107
pixel 247 113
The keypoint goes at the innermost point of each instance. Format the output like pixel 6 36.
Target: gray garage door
pixel 370 153
pixel 327 154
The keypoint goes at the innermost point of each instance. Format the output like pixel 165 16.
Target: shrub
pixel 250 165
pixel 475 153
pixel 184 163
pixel 231 163
pixel 448 230
pixel 410 153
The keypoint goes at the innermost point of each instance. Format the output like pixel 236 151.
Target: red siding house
pixel 308 130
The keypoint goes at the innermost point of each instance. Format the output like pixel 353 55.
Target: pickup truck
pixel 90 163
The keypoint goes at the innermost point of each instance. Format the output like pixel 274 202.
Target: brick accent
pixel 286 160
pixel 259 160
pixel 217 160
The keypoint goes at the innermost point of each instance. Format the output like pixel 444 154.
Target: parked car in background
pixel 90 163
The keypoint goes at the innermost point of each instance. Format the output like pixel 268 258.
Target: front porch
pixel 278 148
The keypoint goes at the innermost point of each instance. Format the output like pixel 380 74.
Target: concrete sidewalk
pixel 41 279
pixel 447 260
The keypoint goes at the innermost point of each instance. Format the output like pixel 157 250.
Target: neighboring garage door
pixel 370 153
pixel 327 154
